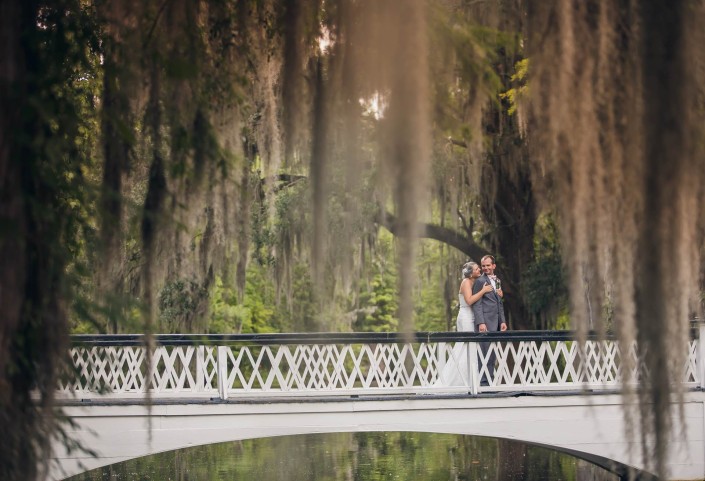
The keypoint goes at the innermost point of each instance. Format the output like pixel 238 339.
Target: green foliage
pixel 563 320
pixel 89 315
pixel 430 302
pixel 259 303
pixel 304 312
pixel 464 67
pixel 226 314
pixel 544 280
pixel 374 308
pixel 382 297
pixel 429 308
pixel 545 285
pixel 178 305
pixel 254 314
pixel 279 222
pixel 520 89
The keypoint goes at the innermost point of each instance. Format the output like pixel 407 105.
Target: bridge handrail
pixel 328 338
pixel 319 364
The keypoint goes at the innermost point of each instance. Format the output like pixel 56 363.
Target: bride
pixel 457 370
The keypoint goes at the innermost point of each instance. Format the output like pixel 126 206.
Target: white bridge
pixel 546 389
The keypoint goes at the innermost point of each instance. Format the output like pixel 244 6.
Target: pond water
pixel 356 456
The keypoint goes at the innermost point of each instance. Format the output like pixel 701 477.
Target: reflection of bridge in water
pixel 546 389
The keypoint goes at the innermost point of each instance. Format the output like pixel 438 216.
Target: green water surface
pixel 356 456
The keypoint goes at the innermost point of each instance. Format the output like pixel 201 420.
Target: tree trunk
pixel 508 204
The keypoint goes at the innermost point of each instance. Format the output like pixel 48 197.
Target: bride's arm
pixel 466 291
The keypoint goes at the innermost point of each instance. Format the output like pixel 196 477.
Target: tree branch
pixel 281 181
pixel 508 219
pixel 468 228
pixel 458 240
pixel 287 180
pixel 459 143
pixel 448 236
pixel 463 243
pixel 148 38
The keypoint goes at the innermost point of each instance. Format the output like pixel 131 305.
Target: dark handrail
pixel 324 338
pixel 341 337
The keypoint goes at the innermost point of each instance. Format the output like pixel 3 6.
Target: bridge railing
pixel 320 364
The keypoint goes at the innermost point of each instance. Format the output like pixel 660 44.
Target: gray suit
pixel 488 310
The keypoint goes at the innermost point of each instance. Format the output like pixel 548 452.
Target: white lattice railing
pixel 348 364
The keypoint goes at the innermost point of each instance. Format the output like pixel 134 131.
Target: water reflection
pixel 356 456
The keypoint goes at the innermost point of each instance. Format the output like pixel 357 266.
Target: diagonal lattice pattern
pixel 319 369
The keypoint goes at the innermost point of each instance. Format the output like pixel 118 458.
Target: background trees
pixel 162 161
pixel 193 165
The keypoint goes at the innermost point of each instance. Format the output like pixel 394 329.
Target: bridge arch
pixel 590 427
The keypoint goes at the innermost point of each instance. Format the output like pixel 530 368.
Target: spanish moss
pixel 617 104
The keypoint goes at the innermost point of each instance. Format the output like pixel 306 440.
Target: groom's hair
pixel 490 257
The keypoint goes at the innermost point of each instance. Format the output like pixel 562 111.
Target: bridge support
pixel 589 424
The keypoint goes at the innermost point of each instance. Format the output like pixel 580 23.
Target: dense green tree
pixel 381 300
pixel 255 313
pixel 178 304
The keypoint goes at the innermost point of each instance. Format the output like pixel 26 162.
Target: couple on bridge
pixel 481 310
pixel 480 298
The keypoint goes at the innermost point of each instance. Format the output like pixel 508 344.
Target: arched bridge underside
pixel 591 426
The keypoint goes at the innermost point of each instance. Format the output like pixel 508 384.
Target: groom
pixel 488 311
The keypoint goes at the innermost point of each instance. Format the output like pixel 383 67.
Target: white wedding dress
pixel 466 319
pixel 456 371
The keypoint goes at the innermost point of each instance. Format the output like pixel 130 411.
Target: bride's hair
pixel 468 267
